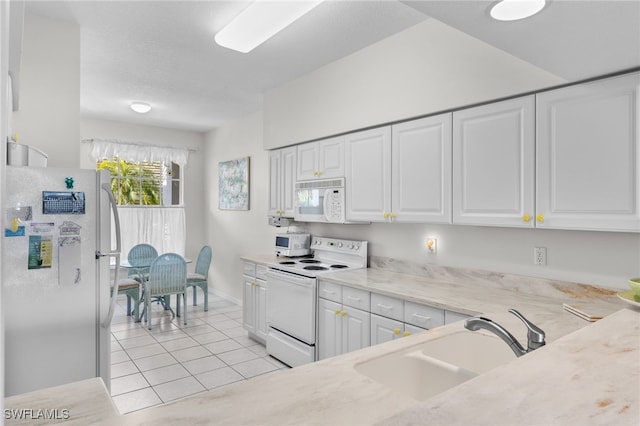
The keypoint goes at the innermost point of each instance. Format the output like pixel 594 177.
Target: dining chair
pixel 167 276
pixel 140 257
pixel 198 278
pixel 131 288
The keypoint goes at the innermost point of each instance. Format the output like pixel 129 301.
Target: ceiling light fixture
pixel 513 10
pixel 141 107
pixel 261 21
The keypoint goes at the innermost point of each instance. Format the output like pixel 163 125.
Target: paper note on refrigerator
pixel 40 252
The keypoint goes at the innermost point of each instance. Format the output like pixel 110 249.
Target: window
pixel 144 183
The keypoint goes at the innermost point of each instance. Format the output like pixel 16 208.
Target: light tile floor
pixel 171 361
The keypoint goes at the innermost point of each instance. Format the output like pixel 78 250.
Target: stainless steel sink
pixel 432 367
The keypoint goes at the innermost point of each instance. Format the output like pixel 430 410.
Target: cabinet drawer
pixel 423 316
pixel 249 269
pixel 451 316
pixel 330 291
pixel 386 306
pixel 261 272
pixel 356 298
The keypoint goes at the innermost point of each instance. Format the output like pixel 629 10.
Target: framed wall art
pixel 233 184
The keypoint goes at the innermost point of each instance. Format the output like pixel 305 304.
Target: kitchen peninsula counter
pixel 588 373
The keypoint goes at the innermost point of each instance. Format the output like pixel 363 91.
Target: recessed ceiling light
pixel 512 10
pixel 141 107
pixel 261 21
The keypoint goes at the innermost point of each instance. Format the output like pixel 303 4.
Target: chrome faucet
pixel 535 336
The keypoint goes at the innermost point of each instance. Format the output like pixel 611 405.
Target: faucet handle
pixel 535 335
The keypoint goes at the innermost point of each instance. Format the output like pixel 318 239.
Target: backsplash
pixel 519 283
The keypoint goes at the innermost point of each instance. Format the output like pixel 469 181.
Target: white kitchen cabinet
pixel 588 153
pixel 254 303
pixel 341 329
pixel 282 180
pixel 423 316
pixel 493 164
pixel 400 173
pixel 368 175
pixel 321 160
pixel 421 170
pixel 451 316
pixel 385 329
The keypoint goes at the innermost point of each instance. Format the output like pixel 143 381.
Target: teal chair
pixel 130 288
pixel 167 276
pixel 199 277
pixel 140 257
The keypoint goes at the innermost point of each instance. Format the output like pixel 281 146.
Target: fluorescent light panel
pixel 261 21
pixel 513 10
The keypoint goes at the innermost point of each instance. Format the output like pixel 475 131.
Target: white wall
pixel 236 233
pixel 193 172
pixel 600 258
pixel 428 68
pixel 50 90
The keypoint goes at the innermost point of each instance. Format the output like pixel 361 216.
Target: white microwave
pixel 292 244
pixel 320 201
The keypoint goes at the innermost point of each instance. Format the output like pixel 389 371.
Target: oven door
pixel 291 305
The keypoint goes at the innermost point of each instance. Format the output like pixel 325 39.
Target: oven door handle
pixel 295 279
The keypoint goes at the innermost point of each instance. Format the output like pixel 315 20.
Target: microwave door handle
pixel 325 207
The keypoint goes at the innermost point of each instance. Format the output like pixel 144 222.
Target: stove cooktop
pixel 329 254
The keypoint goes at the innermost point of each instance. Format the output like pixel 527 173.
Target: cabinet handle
pixel 421 317
pixel 319 172
pixel 540 218
pixel 396 331
pixel 380 305
pixel 385 215
pixel 328 291
pixel 343 313
pixel 526 218
pixel 337 311
pixel 357 299
pixel 405 334
pixel 393 215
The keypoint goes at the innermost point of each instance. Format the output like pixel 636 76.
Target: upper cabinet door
pixel 368 175
pixel 421 170
pixel 493 164
pixel 588 155
pixel 321 160
pixel 307 161
pixel 282 180
pixel 288 198
pixel 331 158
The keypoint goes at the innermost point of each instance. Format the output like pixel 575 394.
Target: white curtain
pixel 162 227
pixel 130 151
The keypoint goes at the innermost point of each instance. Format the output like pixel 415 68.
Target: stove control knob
pixel 340 245
pixel 356 247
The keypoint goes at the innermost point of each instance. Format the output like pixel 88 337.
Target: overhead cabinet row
pixel 561 159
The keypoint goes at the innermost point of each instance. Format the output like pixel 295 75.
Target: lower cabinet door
pixel 329 329
pixel 356 329
pixel 248 304
pixel 260 294
pixel 385 329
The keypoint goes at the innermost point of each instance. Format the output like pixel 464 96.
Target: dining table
pixel 143 269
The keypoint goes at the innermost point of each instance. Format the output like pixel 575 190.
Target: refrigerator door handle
pixel 114 292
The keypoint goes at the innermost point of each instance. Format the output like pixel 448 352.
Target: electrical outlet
pixel 540 256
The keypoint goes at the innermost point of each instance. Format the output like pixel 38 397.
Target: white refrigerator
pixel 56 276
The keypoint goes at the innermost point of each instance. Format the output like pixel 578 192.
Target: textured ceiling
pixel 163 52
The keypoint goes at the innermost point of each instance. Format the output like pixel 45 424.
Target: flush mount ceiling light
pixel 513 10
pixel 261 21
pixel 141 107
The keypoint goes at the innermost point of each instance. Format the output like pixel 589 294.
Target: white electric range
pixel 292 296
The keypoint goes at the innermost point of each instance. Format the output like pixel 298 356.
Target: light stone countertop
pixel 588 373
